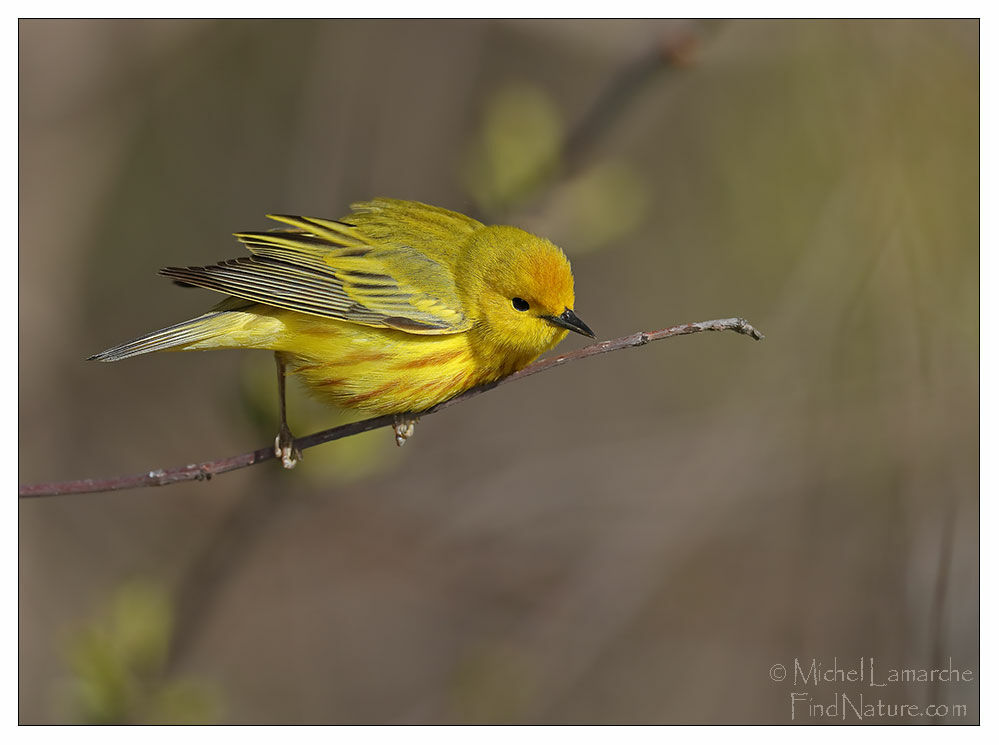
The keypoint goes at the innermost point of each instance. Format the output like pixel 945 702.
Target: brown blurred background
pixel 636 538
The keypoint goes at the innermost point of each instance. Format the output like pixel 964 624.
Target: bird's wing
pixel 330 269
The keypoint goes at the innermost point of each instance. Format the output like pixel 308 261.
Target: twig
pixel 204 471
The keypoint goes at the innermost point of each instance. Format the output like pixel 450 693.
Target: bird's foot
pixel 285 449
pixel 404 427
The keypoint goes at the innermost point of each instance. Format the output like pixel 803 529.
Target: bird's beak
pixel 569 320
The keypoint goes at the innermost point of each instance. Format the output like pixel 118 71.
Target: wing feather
pixel 329 268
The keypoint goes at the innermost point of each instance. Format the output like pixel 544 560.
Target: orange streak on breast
pixel 360 398
pixel 430 360
pixel 330 383
pixel 363 357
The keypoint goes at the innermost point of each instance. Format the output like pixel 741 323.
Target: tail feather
pixel 204 332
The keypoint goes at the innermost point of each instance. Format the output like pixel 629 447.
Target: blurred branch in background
pixel 204 471
pixel 523 149
pixel 674 51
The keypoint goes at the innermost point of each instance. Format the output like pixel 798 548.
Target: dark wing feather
pixel 333 273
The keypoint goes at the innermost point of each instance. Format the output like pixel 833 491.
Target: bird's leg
pixel 404 426
pixel 284 443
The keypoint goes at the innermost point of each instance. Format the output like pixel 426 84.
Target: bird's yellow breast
pixel 386 371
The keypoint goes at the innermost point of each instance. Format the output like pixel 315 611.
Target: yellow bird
pixel 390 310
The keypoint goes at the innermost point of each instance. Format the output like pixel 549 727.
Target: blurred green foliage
pixel 520 148
pixel 118 665
pixel 517 146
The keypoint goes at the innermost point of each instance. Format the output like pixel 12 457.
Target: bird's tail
pixel 220 329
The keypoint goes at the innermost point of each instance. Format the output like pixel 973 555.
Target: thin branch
pixel 204 471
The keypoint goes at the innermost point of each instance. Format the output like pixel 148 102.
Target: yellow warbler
pixel 390 310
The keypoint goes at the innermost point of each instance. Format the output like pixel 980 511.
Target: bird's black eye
pixel 520 304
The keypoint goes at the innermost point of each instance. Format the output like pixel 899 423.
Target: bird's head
pixel 525 292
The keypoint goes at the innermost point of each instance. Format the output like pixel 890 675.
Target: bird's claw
pixel 285 449
pixel 404 428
